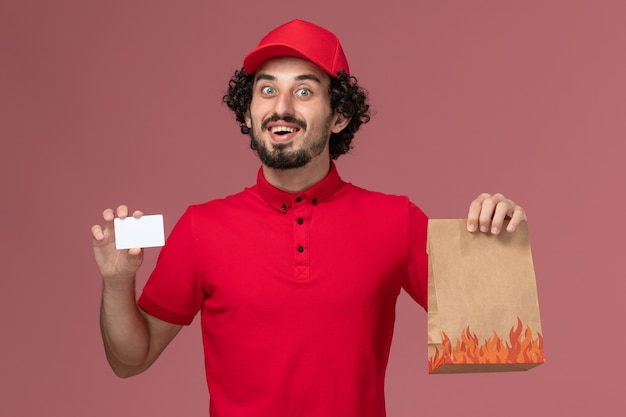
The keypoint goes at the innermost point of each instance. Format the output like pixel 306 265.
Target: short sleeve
pixel 173 292
pixel 416 284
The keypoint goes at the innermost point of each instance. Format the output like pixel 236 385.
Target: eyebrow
pixel 268 77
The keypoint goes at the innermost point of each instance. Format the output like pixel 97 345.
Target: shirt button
pixel 283 207
pixel 300 249
pixel 300 221
pixel 299 199
pixel 314 201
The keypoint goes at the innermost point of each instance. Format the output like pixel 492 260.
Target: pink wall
pixel 110 102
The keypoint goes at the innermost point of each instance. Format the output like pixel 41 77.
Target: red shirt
pixel 297 295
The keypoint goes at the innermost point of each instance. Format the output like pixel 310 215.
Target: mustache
pixel 286 118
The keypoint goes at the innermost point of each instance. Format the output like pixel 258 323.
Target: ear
pixel 340 123
pixel 248 120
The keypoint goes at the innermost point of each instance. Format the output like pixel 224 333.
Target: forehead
pixel 291 68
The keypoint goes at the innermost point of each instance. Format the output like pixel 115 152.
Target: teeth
pixel 282 129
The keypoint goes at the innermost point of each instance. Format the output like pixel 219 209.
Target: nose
pixel 284 104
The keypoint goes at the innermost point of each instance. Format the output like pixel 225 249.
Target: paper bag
pixel 483 310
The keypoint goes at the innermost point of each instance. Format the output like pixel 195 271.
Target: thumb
pixel 135 256
pixel 131 261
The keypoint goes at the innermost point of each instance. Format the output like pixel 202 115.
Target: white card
pixel 139 232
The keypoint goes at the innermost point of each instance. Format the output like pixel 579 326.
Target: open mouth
pixel 283 130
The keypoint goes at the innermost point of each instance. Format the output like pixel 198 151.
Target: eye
pixel 267 90
pixel 304 92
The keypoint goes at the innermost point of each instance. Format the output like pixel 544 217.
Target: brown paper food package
pixel 483 309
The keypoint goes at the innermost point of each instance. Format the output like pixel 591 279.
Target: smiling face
pixel 290 117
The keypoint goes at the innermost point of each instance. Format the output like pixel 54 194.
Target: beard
pixel 279 155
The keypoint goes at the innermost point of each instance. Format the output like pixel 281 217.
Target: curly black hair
pixel 346 97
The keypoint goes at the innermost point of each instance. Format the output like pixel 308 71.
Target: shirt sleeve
pixel 173 292
pixel 416 284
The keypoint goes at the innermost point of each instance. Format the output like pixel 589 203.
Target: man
pixel 297 277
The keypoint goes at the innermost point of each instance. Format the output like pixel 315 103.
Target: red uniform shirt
pixel 297 293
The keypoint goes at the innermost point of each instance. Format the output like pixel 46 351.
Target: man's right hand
pixel 114 264
pixel 133 339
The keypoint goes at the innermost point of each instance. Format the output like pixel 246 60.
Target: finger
pixel 487 212
pixel 518 216
pixel 503 209
pixel 108 215
pixel 137 213
pixel 474 212
pixel 122 211
pixel 97 233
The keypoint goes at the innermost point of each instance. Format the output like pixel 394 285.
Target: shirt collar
pixel 318 193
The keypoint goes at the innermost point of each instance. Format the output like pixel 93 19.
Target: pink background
pixel 114 102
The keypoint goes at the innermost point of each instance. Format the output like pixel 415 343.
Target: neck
pixel 298 179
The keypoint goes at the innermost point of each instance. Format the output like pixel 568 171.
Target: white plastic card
pixel 139 232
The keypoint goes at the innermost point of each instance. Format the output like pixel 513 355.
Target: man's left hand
pixel 487 213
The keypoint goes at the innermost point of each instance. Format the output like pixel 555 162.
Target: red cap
pixel 300 39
